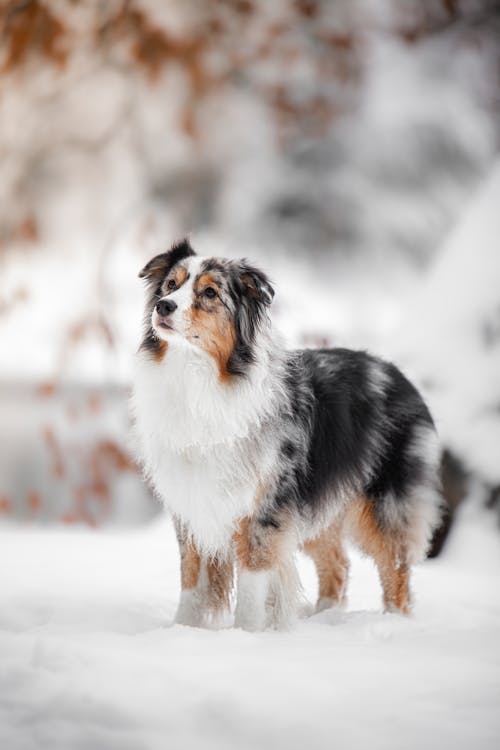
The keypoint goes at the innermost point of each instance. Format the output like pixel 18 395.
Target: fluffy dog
pixel 258 451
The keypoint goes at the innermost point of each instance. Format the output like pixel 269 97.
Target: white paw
pixel 391 609
pixel 250 611
pixel 306 609
pixel 325 602
pixel 285 599
pixel 248 621
pixel 189 611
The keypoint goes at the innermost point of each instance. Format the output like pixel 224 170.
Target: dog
pixel 259 452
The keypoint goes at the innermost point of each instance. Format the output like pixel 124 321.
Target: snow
pixel 90 658
pixel 450 333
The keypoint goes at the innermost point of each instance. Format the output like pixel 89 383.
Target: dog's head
pixel 215 304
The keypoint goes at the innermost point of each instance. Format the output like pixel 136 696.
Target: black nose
pixel 165 307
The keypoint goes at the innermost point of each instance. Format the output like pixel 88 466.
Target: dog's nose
pixel 165 307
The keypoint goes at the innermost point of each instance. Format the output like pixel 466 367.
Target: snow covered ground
pixel 90 660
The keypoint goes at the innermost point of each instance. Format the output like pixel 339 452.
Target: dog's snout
pixel 165 307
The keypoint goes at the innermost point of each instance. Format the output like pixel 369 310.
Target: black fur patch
pixel 360 440
pixel 155 271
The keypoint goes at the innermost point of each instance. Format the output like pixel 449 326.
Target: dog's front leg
pixel 253 578
pixel 191 604
pixel 267 589
pixel 206 584
pixel 253 586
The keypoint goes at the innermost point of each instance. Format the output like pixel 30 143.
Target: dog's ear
pixel 254 284
pixel 255 293
pixel 160 265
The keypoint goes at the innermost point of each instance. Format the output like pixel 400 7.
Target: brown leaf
pixel 34 500
pixel 5 504
pixel 31 29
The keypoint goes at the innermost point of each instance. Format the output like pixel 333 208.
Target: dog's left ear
pixel 160 265
pixel 255 284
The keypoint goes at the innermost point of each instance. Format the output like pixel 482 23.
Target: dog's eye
pixel 171 284
pixel 210 292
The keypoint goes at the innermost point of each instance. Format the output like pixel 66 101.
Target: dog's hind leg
pixel 332 566
pixel 394 575
pixel 388 548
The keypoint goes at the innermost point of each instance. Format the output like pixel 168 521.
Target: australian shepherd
pixel 258 451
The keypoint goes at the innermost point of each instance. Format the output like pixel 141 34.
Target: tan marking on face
pixel 387 548
pixel 332 563
pixel 209 325
pixel 206 279
pixel 179 275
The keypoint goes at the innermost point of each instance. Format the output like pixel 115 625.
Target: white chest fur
pixel 202 442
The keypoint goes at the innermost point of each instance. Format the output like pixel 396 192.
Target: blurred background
pixel 351 147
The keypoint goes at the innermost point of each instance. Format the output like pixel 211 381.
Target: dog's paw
pixel 189 611
pixel 247 620
pixel 326 602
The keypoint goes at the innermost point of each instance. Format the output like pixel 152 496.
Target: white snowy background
pixel 350 148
